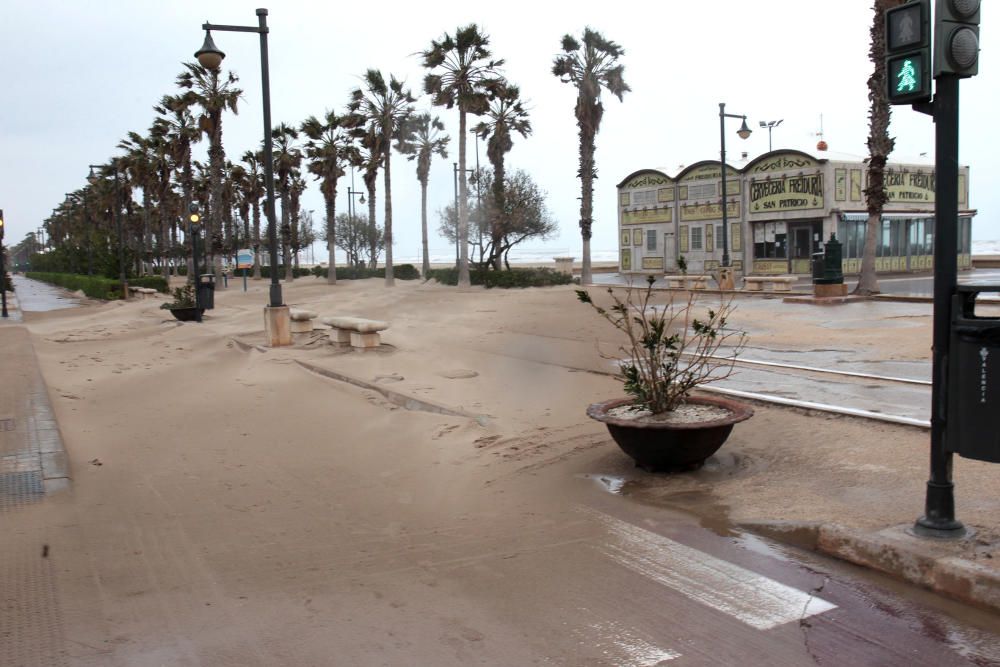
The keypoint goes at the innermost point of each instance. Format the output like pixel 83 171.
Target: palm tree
pixel 253 191
pixel 386 108
pixel 505 116
pixel 369 158
pixel 181 132
pixel 466 76
pixel 163 165
pixel 880 144
pixel 590 67
pixel 287 158
pixel 214 95
pixel 330 148
pixel 138 165
pixel 422 143
pixel 298 186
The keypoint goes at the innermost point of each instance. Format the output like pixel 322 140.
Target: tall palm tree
pixel 214 94
pixel 181 132
pixel 591 67
pixel 465 76
pixel 253 185
pixel 422 143
pixel 139 164
pixel 386 108
pixel 369 158
pixel 297 188
pixel 287 158
pixel 505 116
pixel 163 165
pixel 880 144
pixel 330 148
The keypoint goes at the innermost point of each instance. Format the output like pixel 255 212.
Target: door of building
pixel 803 244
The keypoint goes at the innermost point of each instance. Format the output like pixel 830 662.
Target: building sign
pixel 855 185
pixel 626 260
pixel 736 236
pixel 636 237
pixel 790 193
pixel 963 191
pixel 841 185
pixel 909 187
pixel 647 180
pixel 626 237
pixel 696 212
pixel 784 162
pixel 652 263
pixel 624 199
pixel 665 195
pixel 684 238
pixel 649 216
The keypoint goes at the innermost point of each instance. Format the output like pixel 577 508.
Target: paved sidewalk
pixel 32 464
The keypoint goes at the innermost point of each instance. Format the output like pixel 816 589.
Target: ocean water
pixel 986 247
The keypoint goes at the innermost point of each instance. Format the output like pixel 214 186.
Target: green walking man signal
pixel 908 52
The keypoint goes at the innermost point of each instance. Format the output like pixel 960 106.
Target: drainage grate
pixel 20 488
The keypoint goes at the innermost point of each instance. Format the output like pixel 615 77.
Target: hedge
pixel 400 271
pixel 97 287
pixel 520 277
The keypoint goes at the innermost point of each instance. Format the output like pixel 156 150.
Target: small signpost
pixel 244 260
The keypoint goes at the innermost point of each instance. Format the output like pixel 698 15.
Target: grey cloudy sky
pixel 79 75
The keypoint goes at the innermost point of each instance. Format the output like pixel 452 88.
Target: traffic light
pixel 956 37
pixel 193 210
pixel 1 223
pixel 908 52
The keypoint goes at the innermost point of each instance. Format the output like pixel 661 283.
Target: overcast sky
pixel 79 75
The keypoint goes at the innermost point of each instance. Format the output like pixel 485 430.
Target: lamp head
pixel 209 54
pixel 362 200
pixel 744 130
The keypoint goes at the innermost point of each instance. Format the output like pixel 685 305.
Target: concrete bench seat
pixel 777 283
pixel 687 282
pixel 142 292
pixel 357 331
pixel 301 320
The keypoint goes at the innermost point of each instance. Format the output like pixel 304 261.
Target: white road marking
pixel 629 649
pixel 754 599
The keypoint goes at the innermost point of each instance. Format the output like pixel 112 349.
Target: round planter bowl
pixel 662 446
pixel 187 314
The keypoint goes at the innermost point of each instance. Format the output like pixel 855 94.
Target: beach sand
pixel 231 506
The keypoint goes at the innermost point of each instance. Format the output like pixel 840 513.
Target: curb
pixel 925 562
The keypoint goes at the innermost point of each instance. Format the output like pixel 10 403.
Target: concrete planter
pixel 669 447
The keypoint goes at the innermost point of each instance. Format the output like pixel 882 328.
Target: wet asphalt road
pixel 35 296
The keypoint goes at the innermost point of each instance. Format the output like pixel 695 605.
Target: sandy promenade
pixel 229 506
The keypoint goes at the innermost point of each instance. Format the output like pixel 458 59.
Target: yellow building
pixel 781 207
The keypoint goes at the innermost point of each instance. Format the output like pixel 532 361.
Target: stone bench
pixel 301 320
pixel 357 331
pixel 777 283
pixel 687 282
pixel 142 292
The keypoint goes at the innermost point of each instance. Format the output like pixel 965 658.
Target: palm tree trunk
pixel 426 265
pixel 331 237
pixel 372 243
pixel 586 199
pixel 389 282
pixel 463 212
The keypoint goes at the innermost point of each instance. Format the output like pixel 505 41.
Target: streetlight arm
pixel 234 28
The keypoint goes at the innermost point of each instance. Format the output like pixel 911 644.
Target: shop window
pixel 696 242
pixel 650 239
pixel 770 240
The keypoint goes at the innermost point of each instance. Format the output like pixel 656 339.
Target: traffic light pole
pixel 939 508
pixel 3 282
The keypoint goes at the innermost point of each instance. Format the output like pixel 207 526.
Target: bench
pixel 777 283
pixel 687 282
pixel 301 320
pixel 142 292
pixel 357 331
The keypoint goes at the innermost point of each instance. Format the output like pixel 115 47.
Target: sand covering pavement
pixel 210 472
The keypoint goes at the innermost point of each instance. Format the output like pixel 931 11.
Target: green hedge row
pixel 96 287
pixel 541 277
pixel 400 271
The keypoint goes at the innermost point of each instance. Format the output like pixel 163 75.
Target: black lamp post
pixel 3 273
pixel 770 125
pixel 743 133
pixel 479 198
pixel 210 58
pixel 454 169
pixel 351 194
pixel 118 221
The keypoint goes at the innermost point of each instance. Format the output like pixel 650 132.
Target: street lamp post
pixel 116 208
pixel 210 58
pixel 3 273
pixel 479 198
pixel 770 125
pixel 743 133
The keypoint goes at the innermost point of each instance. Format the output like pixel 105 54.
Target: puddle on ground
pixel 610 483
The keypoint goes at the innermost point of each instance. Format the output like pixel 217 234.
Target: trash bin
pixel 817 265
pixel 973 418
pixel 206 291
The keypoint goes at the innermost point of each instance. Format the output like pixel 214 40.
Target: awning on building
pixel 863 217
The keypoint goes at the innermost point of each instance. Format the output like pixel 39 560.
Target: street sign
pixel 244 258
